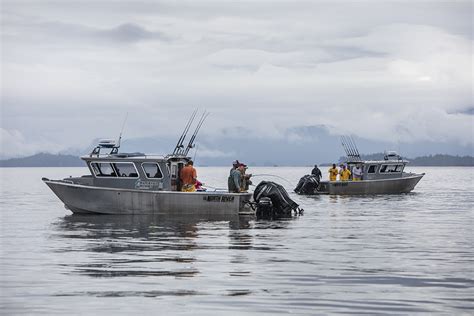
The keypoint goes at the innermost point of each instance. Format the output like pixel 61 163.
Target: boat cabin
pixel 109 168
pixel 391 167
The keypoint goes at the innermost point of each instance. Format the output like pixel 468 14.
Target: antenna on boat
pixel 179 145
pixel 121 131
pixel 198 127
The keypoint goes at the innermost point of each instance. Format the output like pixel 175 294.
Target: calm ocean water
pixel 395 254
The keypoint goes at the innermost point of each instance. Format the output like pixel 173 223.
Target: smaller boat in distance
pixel 385 176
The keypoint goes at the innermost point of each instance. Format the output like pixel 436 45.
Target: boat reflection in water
pixel 154 245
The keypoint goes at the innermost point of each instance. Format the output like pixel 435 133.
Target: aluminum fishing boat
pixel 135 183
pixel 385 176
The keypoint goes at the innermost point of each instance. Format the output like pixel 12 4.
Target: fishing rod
pixel 253 185
pixel 271 175
pixel 351 149
pixel 357 155
pixel 195 152
pixel 214 188
pixel 198 127
pixel 185 131
pixel 345 146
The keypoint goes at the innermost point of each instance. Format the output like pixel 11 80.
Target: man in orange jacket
pixel 188 177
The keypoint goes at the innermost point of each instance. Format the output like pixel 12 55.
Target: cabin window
pixel 372 169
pixel 125 169
pixel 390 168
pixel 399 168
pixel 102 169
pixel 152 170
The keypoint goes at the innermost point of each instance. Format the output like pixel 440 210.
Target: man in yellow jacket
pixel 333 172
pixel 344 174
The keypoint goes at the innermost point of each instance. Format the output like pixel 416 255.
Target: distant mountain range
pixel 53 160
pixel 43 160
pixel 296 146
pixel 443 160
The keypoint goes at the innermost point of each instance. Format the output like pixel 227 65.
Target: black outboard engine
pixel 273 201
pixel 265 208
pixel 308 184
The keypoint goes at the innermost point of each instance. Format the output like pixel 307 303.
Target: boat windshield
pixel 152 170
pixel 125 169
pixel 114 169
pixel 102 169
pixel 391 168
pixel 372 169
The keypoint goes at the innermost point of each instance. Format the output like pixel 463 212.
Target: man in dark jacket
pixel 235 179
pixel 316 172
pixel 231 186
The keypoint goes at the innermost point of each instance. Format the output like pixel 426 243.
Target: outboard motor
pixel 308 184
pixel 265 208
pixel 273 201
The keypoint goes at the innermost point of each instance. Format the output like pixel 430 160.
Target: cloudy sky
pixel 382 70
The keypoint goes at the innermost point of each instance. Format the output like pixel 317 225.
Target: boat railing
pixel 125 155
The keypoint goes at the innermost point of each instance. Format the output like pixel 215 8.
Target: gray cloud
pixel 383 71
pixel 130 32
pixel 61 32
pixel 466 110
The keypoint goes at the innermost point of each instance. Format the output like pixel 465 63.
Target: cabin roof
pixel 125 157
pixel 378 161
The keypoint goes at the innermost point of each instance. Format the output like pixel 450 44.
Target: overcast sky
pixel 383 70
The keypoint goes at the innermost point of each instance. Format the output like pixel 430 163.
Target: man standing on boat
pixel 333 172
pixel 345 173
pixel 245 179
pixel 357 173
pixel 188 177
pixel 316 172
pixel 230 181
pixel 235 179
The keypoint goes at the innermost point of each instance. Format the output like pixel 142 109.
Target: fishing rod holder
pixel 180 149
pixel 350 148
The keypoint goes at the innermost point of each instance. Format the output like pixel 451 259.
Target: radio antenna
pixel 121 131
